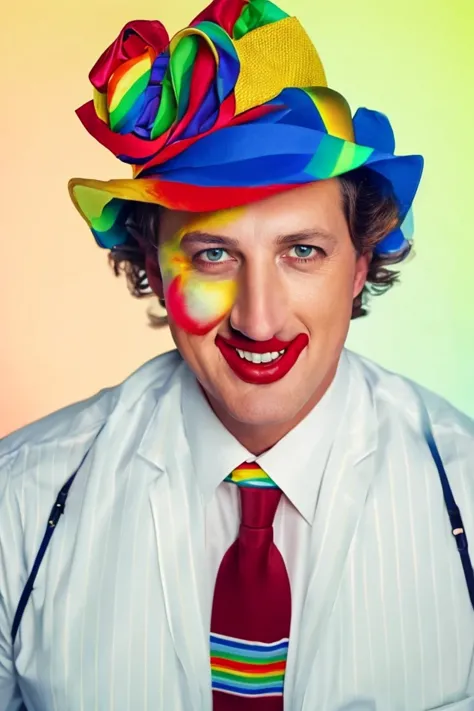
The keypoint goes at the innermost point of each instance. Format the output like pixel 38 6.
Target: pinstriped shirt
pixel 119 616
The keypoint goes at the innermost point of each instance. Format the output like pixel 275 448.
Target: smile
pixel 266 362
pixel 260 357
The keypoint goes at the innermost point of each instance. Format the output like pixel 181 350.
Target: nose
pixel 261 307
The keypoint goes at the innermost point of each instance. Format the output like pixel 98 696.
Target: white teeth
pixel 259 357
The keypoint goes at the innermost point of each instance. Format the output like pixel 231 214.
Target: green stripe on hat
pixel 118 116
pixel 352 156
pixel 257 14
pixel 167 110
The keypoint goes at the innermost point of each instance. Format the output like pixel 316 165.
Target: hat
pixel 233 109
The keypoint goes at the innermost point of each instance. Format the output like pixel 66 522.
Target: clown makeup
pixel 196 299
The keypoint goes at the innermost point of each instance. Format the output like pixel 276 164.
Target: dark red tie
pixel 251 613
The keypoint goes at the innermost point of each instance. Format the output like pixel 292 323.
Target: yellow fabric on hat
pixel 100 105
pixel 272 58
pixel 94 200
pixel 334 111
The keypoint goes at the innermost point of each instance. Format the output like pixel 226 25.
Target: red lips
pixel 261 373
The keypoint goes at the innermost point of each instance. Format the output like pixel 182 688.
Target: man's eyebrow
pixel 197 238
pixel 303 235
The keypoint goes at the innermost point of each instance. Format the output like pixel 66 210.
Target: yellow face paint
pixel 194 301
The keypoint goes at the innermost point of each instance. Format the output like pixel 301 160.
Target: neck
pixel 257 439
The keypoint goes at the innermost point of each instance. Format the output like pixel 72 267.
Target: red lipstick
pixel 261 373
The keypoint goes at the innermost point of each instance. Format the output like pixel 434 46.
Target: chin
pixel 261 409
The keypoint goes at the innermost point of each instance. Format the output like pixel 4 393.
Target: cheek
pixel 197 306
pixel 324 299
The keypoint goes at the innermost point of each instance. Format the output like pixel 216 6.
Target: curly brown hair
pixel 371 212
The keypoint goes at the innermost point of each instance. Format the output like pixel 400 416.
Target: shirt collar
pixel 215 452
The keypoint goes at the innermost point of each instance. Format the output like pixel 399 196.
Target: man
pixel 261 519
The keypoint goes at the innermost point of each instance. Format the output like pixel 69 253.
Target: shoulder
pixel 424 434
pixel 77 426
pixel 422 418
pixel 37 460
pixel 426 423
pixel 396 396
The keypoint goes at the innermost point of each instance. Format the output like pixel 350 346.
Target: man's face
pixel 278 275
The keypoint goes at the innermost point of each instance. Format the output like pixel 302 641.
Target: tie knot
pixel 251 475
pixel 259 495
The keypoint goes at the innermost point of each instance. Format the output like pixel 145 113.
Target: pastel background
pixel 68 328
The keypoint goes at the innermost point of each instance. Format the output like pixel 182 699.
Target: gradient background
pixel 69 328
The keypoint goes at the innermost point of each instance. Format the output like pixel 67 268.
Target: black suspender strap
pixel 457 525
pixel 54 516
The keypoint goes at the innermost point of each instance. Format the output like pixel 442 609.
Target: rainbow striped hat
pixel 233 109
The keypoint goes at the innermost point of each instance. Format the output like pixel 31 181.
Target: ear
pixel 153 274
pixel 360 276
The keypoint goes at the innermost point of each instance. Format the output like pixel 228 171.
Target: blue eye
pixel 214 255
pixel 303 251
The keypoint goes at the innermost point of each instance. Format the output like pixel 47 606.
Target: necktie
pixel 251 612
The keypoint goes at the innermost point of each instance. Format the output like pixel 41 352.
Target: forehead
pixel 317 205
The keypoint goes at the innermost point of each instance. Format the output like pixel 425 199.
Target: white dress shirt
pixel 296 464
pixel 119 615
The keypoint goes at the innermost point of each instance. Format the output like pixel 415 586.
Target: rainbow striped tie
pixel 251 611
